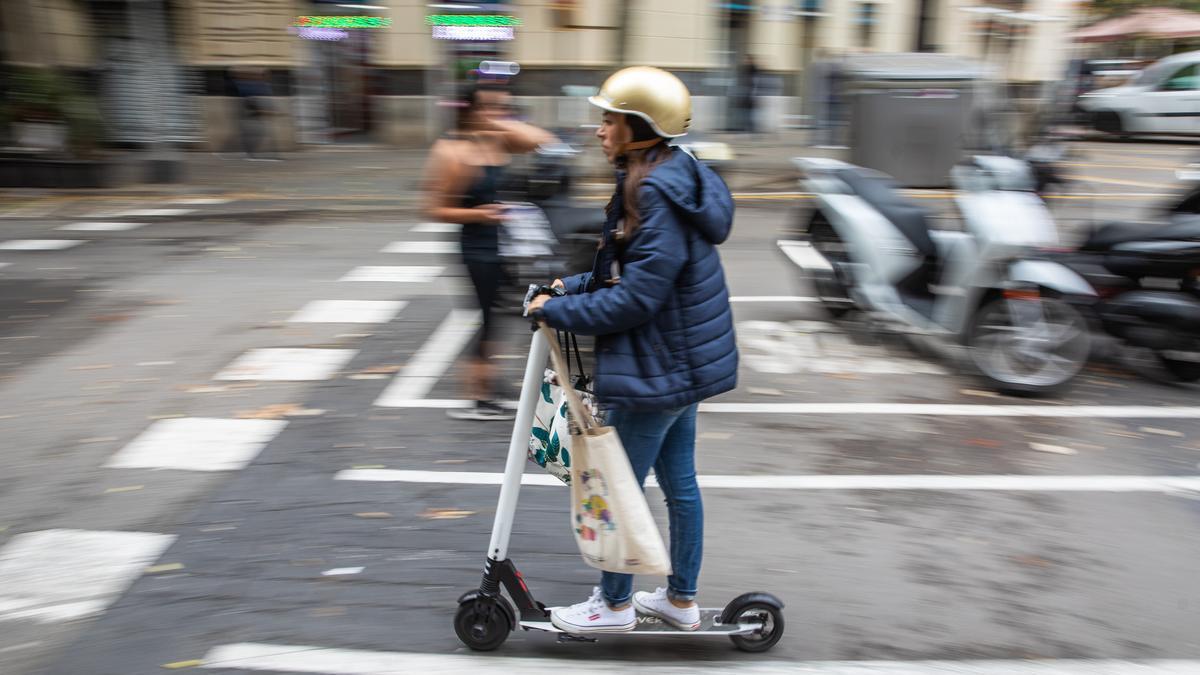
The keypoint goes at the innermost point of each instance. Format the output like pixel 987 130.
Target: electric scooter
pixel 485 617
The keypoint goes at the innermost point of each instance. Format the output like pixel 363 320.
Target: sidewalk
pixel 343 179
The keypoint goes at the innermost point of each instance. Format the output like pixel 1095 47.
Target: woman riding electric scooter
pixel 657 303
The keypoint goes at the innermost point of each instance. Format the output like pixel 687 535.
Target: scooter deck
pixel 651 625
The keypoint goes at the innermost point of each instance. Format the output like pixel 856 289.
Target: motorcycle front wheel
pixel 1033 355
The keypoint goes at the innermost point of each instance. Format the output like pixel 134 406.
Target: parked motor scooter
pixel 868 247
pixel 1147 278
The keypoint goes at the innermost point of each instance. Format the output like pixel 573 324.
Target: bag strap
pixel 578 357
pixel 582 416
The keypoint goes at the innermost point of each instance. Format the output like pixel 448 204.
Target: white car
pixel 1162 99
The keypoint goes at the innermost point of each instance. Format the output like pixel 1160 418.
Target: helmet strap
pixel 641 145
pixel 637 145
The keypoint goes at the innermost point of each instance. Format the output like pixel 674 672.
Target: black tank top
pixel 481 241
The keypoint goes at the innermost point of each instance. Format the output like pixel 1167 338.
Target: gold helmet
pixel 652 94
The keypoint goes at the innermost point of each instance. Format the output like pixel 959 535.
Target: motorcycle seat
pixel 1111 234
pixel 880 191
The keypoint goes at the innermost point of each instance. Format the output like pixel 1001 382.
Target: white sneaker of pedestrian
pixel 659 605
pixel 594 616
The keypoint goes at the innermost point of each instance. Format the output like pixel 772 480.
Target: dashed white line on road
pixel 951 483
pixel 202 201
pixel 423 247
pixel 772 298
pixel 287 364
pixel 63 575
pixel 4 264
pixel 349 311
pixel 312 659
pixel 428 365
pixel 100 226
pixel 197 444
pixel 391 274
pixel 955 410
pixel 151 213
pixel 39 244
pixel 437 228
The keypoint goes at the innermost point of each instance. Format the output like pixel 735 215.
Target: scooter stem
pixel 518 447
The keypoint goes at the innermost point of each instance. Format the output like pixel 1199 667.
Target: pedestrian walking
pixel 462 186
pixel 657 302
pixel 252 87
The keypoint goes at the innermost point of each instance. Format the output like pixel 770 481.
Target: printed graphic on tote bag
pixel 593 516
pixel 550 437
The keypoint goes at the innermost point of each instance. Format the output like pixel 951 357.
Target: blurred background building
pixel 165 71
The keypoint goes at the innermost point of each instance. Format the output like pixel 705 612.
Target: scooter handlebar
pixel 536 290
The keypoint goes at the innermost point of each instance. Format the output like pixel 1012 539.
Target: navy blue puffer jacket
pixel 664 332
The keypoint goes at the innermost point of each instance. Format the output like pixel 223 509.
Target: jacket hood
pixel 696 190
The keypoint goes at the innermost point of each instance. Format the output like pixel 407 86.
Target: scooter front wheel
pixel 1034 354
pixel 482 624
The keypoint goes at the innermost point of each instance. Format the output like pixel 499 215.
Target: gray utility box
pixel 913 115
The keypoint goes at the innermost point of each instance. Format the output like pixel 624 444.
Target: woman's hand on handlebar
pixel 558 283
pixel 536 304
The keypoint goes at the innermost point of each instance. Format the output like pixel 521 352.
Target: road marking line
pixel 916 409
pixel 437 228
pixel 956 410
pixel 39 244
pixel 430 362
pixel 311 659
pixel 101 226
pixel 151 213
pixel 1010 483
pixel 202 201
pixel 419 274
pixel 63 575
pixel 1118 181
pixel 349 311
pixel 197 444
pixel 772 298
pixel 423 247
pixel 287 364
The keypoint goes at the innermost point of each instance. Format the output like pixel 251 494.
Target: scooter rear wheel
pixel 828 243
pixel 482 624
pixel 771 618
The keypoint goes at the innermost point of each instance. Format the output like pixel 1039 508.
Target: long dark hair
pixel 468 101
pixel 638 164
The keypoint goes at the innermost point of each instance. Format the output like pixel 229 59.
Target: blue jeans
pixel 665 440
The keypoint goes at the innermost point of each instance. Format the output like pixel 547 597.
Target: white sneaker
pixel 659 605
pixel 593 616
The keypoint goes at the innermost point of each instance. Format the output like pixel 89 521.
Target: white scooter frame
pixel 485 617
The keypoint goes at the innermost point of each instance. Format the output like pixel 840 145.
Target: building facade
pixel 163 67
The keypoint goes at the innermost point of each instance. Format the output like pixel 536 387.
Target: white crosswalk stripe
pixel 53 576
pixel 312 659
pixel 287 364
pixel 349 311
pixel 197 444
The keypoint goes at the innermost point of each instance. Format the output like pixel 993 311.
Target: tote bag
pixel 550 436
pixel 613 526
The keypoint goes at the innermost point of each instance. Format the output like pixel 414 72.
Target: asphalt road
pixel 166 504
